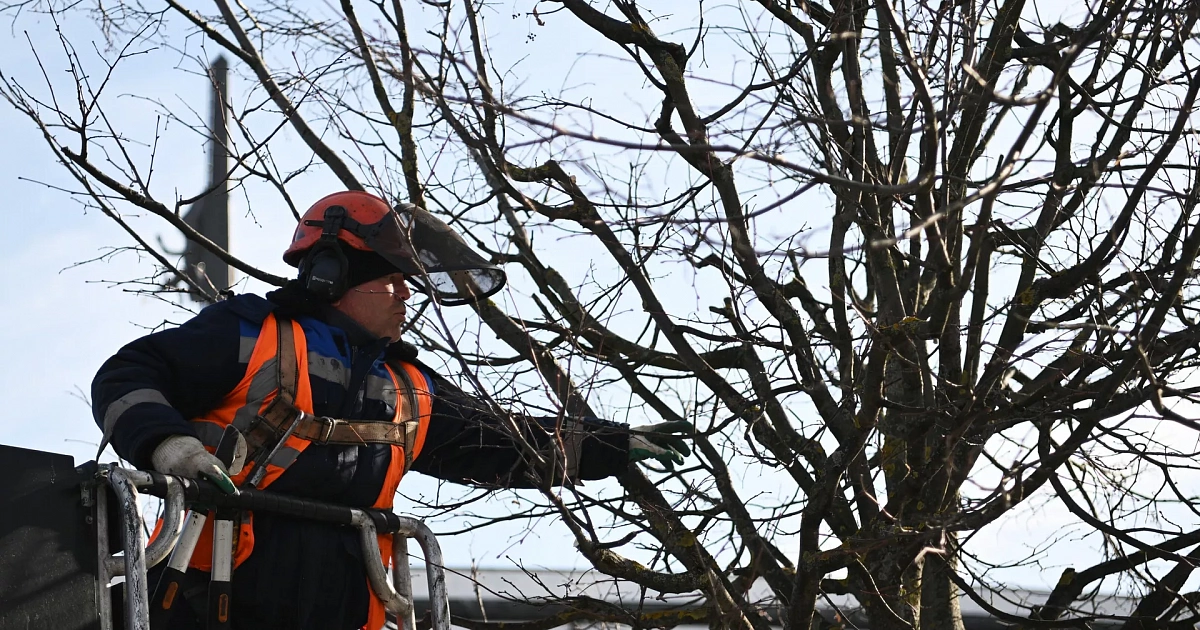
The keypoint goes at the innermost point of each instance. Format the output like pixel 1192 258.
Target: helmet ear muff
pixel 325 271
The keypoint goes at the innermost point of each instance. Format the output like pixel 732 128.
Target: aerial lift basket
pixel 60 525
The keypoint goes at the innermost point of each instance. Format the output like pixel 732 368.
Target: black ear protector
pixel 325 269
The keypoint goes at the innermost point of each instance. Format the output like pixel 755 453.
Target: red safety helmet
pixel 432 257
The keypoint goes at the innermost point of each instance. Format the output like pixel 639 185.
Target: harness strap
pixel 413 415
pixel 281 412
pixel 320 430
pixel 289 373
pixel 270 424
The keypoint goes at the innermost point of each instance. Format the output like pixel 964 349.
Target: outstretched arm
pixel 468 443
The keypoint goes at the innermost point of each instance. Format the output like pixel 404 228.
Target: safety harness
pixel 281 419
pixel 280 429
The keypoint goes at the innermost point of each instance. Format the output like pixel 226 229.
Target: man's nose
pixel 402 291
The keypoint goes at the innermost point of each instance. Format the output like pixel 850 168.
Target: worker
pixel 331 406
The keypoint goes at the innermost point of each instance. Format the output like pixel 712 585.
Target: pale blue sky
pixel 63 319
pixel 60 321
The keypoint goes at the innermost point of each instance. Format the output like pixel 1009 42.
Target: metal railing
pixel 179 494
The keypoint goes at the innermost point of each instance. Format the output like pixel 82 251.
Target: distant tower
pixel 209 215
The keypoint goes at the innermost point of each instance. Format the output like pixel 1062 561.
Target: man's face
pixel 378 305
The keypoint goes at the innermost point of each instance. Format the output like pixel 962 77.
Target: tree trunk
pixel 939 596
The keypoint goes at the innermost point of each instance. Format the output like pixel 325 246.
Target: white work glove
pixel 184 456
pixel 661 442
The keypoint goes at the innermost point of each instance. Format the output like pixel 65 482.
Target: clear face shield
pixel 432 256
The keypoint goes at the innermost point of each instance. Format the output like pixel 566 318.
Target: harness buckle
pixel 325 426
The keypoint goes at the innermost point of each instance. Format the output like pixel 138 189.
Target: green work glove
pixel 661 442
pixel 184 456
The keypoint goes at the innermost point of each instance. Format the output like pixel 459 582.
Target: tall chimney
pixel 209 215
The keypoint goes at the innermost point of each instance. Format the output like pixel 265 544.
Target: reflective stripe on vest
pixel 261 385
pixel 257 389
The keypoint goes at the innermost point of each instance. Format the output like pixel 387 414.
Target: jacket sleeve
pixel 467 443
pixel 149 389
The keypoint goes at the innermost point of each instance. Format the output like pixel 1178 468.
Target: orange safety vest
pixel 260 387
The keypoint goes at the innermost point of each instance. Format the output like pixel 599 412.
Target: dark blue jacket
pixel 303 574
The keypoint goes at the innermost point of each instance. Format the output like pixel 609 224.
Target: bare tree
pixel 915 262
